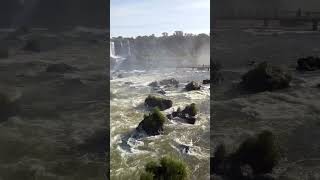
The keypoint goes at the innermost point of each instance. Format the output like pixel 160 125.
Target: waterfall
pixel 129 48
pixel 112 50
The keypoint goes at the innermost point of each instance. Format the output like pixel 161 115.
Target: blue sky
pixel 130 18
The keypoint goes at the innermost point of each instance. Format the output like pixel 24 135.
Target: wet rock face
pixel 61 68
pixel 193 86
pixel 308 64
pixel 152 124
pixel 162 104
pixel 266 77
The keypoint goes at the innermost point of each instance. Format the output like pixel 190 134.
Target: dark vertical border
pixel 212 19
pixel 108 88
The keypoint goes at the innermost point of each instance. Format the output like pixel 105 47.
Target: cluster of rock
pixel 188 114
pixel 166 83
pixel 254 159
pixel 308 64
pixel 152 124
pixel 266 77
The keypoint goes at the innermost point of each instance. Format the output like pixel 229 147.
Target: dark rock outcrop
pixel 206 81
pixel 152 124
pixel 308 64
pixel 154 84
pixel 162 104
pixel 254 159
pixel 266 77
pixel 61 68
pixel 188 114
pixel 192 86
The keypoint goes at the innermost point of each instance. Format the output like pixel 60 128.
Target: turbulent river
pixel 130 151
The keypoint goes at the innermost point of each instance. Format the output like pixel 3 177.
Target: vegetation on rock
pixel 168 168
pixel 188 113
pixel 255 156
pixel 162 104
pixel 266 77
pixel 152 123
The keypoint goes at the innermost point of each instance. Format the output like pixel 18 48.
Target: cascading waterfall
pixel 118 60
pixel 112 50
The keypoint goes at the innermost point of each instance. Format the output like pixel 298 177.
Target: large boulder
pixel 192 86
pixel 167 168
pixel 308 64
pixel 188 114
pixel 152 124
pixel 266 77
pixel 61 68
pixel 162 104
pixel 206 81
pixel 255 157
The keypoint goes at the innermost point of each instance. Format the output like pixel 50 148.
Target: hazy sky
pixel 130 18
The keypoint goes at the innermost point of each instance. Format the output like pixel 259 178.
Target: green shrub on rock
pixel 191 110
pixel 266 77
pixel 261 152
pixel 188 113
pixel 168 168
pixel 153 123
pixel 162 104
pixel 255 157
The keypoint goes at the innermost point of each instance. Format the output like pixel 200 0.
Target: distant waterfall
pixel 112 50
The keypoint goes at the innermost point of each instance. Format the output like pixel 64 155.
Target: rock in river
pixel 266 77
pixel 152 124
pixel 161 103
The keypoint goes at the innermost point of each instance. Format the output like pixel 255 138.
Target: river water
pixel 130 151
